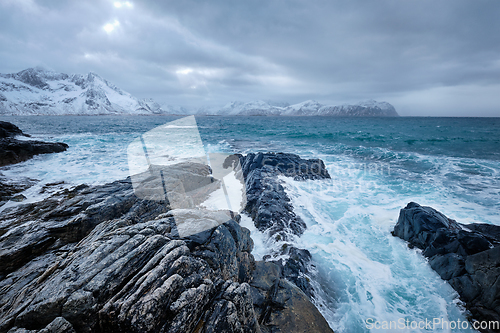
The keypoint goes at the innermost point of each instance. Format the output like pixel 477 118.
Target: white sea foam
pixel 364 272
pixel 231 198
pixel 260 248
pixel 90 159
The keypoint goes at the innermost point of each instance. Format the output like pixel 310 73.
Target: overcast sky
pixel 430 58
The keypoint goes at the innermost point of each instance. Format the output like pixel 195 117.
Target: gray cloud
pixel 425 57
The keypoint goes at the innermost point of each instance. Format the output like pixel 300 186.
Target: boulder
pixel 267 203
pixel 280 305
pixel 467 256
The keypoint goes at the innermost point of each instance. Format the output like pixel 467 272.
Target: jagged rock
pixel 58 325
pixel 467 256
pixel 9 190
pixel 267 202
pixel 280 305
pixel 113 262
pixel 271 209
pixel 14 151
pixel 101 259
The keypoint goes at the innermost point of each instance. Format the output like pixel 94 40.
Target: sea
pixel 363 277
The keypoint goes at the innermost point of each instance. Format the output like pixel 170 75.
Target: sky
pixel 427 58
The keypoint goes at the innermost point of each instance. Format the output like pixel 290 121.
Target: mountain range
pixel 36 91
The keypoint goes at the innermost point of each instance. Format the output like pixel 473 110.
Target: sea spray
pixel 349 219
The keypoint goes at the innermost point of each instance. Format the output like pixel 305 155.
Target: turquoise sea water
pixel 377 166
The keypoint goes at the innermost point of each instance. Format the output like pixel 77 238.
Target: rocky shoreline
pixel 102 259
pixel 466 256
pixel 13 150
pixel 99 259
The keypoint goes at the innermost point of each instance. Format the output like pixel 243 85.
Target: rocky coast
pixel 105 259
pixel 13 150
pixel 100 259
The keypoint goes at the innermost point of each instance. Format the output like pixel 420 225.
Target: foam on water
pixel 362 271
pixel 260 247
pixel 90 159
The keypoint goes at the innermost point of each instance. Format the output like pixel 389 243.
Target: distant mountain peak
pixel 39 91
pixel 368 108
pixel 33 77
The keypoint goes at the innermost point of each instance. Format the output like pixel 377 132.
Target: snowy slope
pixel 254 108
pixel 174 110
pixel 308 108
pixel 369 108
pixel 37 91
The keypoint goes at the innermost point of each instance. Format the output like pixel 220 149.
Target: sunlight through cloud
pixel 111 26
pixel 119 4
pixel 184 71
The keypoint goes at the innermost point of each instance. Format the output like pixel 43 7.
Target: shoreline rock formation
pixel 466 256
pixel 100 259
pixel 13 150
pixel 271 210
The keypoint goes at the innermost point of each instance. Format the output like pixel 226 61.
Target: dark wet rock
pixel 271 208
pixel 58 325
pixel 9 190
pixel 9 130
pixel 102 259
pixel 14 151
pixel 467 256
pixel 267 203
pixel 297 267
pixel 280 305
pixel 107 261
pixel 490 232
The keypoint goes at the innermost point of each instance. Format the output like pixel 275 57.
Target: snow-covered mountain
pixel 254 108
pixel 175 110
pixel 369 108
pixel 307 108
pixel 38 91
